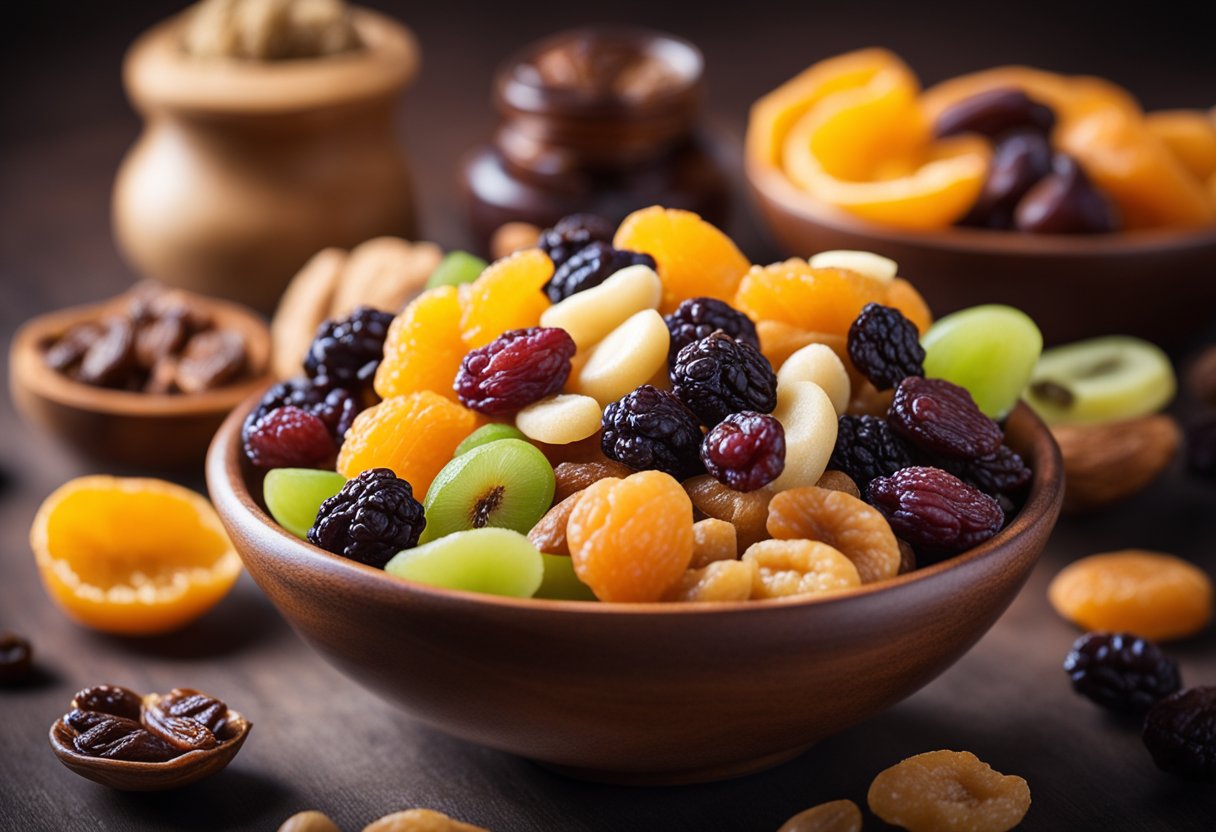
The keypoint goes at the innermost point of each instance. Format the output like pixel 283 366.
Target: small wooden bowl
pixel 120 427
pixel 151 777
pixel 1153 284
pixel 639 693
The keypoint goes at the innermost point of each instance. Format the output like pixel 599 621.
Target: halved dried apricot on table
pixel 132 556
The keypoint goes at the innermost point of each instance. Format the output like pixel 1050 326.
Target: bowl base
pixel 677 777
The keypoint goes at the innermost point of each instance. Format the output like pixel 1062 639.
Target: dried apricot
pixel 746 511
pixel 413 435
pixel 822 300
pixel 842 521
pixel 948 791
pixel 836 816
pixel 903 296
pixel 424 347
pixel 786 568
pixel 507 295
pixel 1151 594
pixel 694 258
pixel 631 539
pixel 722 580
pixel 549 533
pixel 713 540
pixel 1190 136
pixel 778 341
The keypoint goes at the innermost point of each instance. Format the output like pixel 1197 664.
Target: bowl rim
pixel 228 487
pixel 28 371
pixel 770 185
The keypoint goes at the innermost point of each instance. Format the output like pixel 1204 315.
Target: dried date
pixel 109 359
pixel 211 359
pixel 206 710
pixel 118 738
pixel 181 732
pixel 109 699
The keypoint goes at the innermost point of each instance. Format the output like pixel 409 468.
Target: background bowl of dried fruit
pixel 143 379
pixel 1051 193
pixel 638 692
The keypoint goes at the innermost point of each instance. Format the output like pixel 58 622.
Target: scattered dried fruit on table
pixel 1106 463
pixel 790 568
pixel 16 659
pixel 309 821
pixel 1120 671
pixel 1180 733
pixel 843 522
pixel 1152 594
pixel 948 791
pixel 836 816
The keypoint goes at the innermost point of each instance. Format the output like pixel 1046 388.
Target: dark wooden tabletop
pixel 320 741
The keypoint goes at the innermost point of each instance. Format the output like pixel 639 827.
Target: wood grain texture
pixel 323 742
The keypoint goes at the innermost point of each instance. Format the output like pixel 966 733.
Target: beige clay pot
pixel 245 169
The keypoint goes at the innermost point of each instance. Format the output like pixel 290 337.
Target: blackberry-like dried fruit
pixel 717 376
pixel 335 407
pixel 652 429
pixel 866 448
pixel 590 266
pixel 573 233
pixel 1180 733
pixel 885 347
pixel 346 352
pixel 519 367
pixel 940 417
pixel 1201 447
pixel 289 437
pixel 697 318
pixel 1003 472
pixel 935 511
pixel 745 450
pixel 371 519
pixel 1120 671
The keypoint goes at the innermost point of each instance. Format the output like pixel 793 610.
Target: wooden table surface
pixel 320 741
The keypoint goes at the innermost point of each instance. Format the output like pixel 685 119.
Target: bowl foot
pixel 676 777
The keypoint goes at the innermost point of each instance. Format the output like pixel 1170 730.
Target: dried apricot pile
pixel 639 414
pixel 1008 148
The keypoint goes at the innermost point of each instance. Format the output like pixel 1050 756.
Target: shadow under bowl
pixel 1156 284
pixel 643 694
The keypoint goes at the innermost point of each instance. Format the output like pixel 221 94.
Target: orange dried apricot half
pixel 814 300
pixel 507 295
pixel 424 347
pixel 694 258
pixel 132 556
pixel 948 791
pixel 903 296
pixel 844 522
pixel 1190 136
pixel 414 435
pixel 1151 594
pixel 631 539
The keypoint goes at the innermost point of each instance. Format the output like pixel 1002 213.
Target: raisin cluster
pixel 371 519
pixel 652 429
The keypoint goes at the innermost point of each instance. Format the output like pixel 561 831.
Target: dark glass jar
pixel 603 120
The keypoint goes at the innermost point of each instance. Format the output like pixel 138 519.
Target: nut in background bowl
pixel 639 693
pixel 1149 283
pixel 1106 463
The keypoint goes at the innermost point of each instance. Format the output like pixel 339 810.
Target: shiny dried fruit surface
pixel 631 539
pixel 1152 594
pixel 204 709
pixel 745 451
pixel 941 417
pixel 1180 733
pixel 697 318
pixel 506 296
pixel 589 267
pixel 572 233
pixel 1003 472
pixel 346 352
pixel 118 738
pixel 713 540
pixel 948 791
pixel 424 346
pixel 573 477
pixel 935 511
pixel 994 112
pixel 717 376
pixel 1121 671
pixel 289 438
pixel 109 699
pixel 371 519
pixel 885 347
pixel 836 816
pixel 843 522
pixel 520 367
pixel 181 732
pixel 335 407
pixel 790 568
pixel 652 429
pixel 867 447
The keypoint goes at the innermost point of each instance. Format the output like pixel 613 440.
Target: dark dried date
pixel 118 738
pixel 211 359
pixel 65 354
pixel 181 732
pixel 206 710
pixel 109 359
pixel 109 699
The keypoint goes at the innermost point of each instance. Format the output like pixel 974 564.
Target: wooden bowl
pixel 139 430
pixel 128 776
pixel 1154 284
pixel 639 693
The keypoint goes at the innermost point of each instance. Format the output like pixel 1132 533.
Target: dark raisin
pixel 1120 671
pixel 745 450
pixel 371 519
pixel 119 738
pixel 885 347
pixel 518 368
pixel 942 418
pixel 652 429
pixel 335 407
pixel 994 112
pixel 1201 447
pixel 1180 733
pixel 346 352
pixel 1019 160
pixel 81 721
pixel 866 448
pixel 717 376
pixel 573 233
pixel 206 710
pixel 697 318
pixel 290 438
pixel 16 659
pixel 935 511
pixel 1065 202
pixel 178 731
pixel 109 699
pixel 1003 472
pixel 591 266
